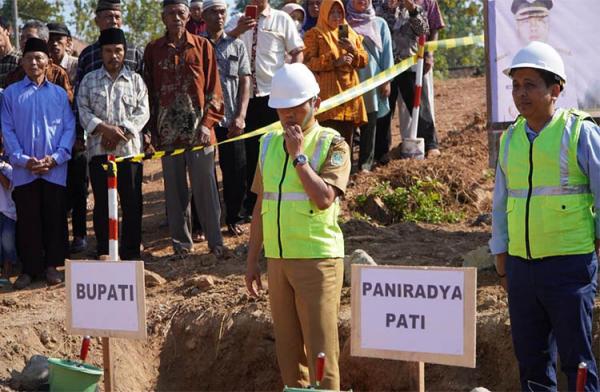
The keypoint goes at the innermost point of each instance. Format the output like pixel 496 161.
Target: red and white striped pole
pixel 113 253
pixel 113 210
pixel 418 88
pixel 414 147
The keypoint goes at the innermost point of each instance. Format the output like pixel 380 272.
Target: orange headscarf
pixel 331 34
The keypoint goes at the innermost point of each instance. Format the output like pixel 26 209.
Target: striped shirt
pixel 8 63
pixel 122 102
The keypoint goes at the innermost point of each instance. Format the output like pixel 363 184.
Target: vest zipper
pixel 287 157
pixel 528 202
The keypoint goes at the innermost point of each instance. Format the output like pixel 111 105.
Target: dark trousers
pixel 232 159
pixel 550 302
pixel 259 114
pixel 426 126
pixel 383 135
pixel 77 191
pixel 367 142
pixel 42 232
pixel 129 187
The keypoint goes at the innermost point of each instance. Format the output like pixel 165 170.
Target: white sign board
pixel 570 26
pixel 421 314
pixel 106 298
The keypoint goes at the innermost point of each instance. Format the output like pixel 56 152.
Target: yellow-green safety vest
pixel 549 205
pixel 293 226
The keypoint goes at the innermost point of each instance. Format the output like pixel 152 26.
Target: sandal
pixel 235 230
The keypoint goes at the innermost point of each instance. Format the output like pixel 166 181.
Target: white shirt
pixel 7 205
pixel 277 36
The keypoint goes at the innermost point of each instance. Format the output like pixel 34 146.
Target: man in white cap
pixel 302 170
pixel 270 38
pixel 545 232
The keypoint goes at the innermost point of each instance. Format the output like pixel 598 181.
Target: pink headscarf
pixel 364 23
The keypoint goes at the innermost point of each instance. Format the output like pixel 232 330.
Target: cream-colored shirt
pixel 277 36
pixel 69 64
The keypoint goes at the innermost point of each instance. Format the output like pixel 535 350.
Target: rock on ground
pixel 35 373
pixel 153 279
pixel 480 258
pixel 359 256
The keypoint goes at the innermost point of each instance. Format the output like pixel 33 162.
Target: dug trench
pixel 206 333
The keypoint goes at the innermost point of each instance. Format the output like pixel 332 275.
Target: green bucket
pixel 69 376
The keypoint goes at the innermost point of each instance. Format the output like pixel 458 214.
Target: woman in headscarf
pixel 311 8
pixel 334 61
pixel 298 15
pixel 377 41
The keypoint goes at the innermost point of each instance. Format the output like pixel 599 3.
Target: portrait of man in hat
pixel 531 17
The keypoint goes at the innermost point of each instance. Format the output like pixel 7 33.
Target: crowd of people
pixel 205 81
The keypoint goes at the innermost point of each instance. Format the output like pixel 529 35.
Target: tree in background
pixel 82 19
pixel 141 20
pixel 463 18
pixel 44 10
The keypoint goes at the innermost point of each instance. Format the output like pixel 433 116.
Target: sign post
pixel 107 299
pixel 415 314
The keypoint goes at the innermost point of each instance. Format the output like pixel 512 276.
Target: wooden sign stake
pixel 416 376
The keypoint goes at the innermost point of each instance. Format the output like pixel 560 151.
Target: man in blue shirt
pixel 39 130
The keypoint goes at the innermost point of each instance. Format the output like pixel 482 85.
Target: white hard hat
pixel 292 85
pixel 538 55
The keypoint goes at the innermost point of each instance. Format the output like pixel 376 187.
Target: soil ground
pixel 221 339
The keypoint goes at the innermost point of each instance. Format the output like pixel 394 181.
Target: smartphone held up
pixel 343 31
pixel 251 11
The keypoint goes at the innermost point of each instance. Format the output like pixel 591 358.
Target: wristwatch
pixel 300 160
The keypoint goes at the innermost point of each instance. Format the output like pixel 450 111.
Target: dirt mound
pixel 461 173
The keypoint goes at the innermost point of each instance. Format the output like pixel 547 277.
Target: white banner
pixel 570 26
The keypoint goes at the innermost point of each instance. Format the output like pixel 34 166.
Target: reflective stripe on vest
pixel 550 191
pixel 287 196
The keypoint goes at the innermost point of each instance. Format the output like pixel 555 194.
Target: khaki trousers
pixel 305 301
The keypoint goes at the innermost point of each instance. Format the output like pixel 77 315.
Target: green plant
pixel 420 202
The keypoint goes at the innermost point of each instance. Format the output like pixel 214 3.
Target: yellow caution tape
pixel 347 95
pixel 454 42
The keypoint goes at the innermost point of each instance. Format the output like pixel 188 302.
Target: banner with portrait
pixel 570 26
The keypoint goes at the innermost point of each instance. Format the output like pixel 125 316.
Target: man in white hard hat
pixel 302 170
pixel 545 231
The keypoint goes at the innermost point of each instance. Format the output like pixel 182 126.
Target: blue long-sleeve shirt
pixel 588 158
pixel 37 121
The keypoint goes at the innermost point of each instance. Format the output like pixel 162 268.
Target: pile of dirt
pixel 462 173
